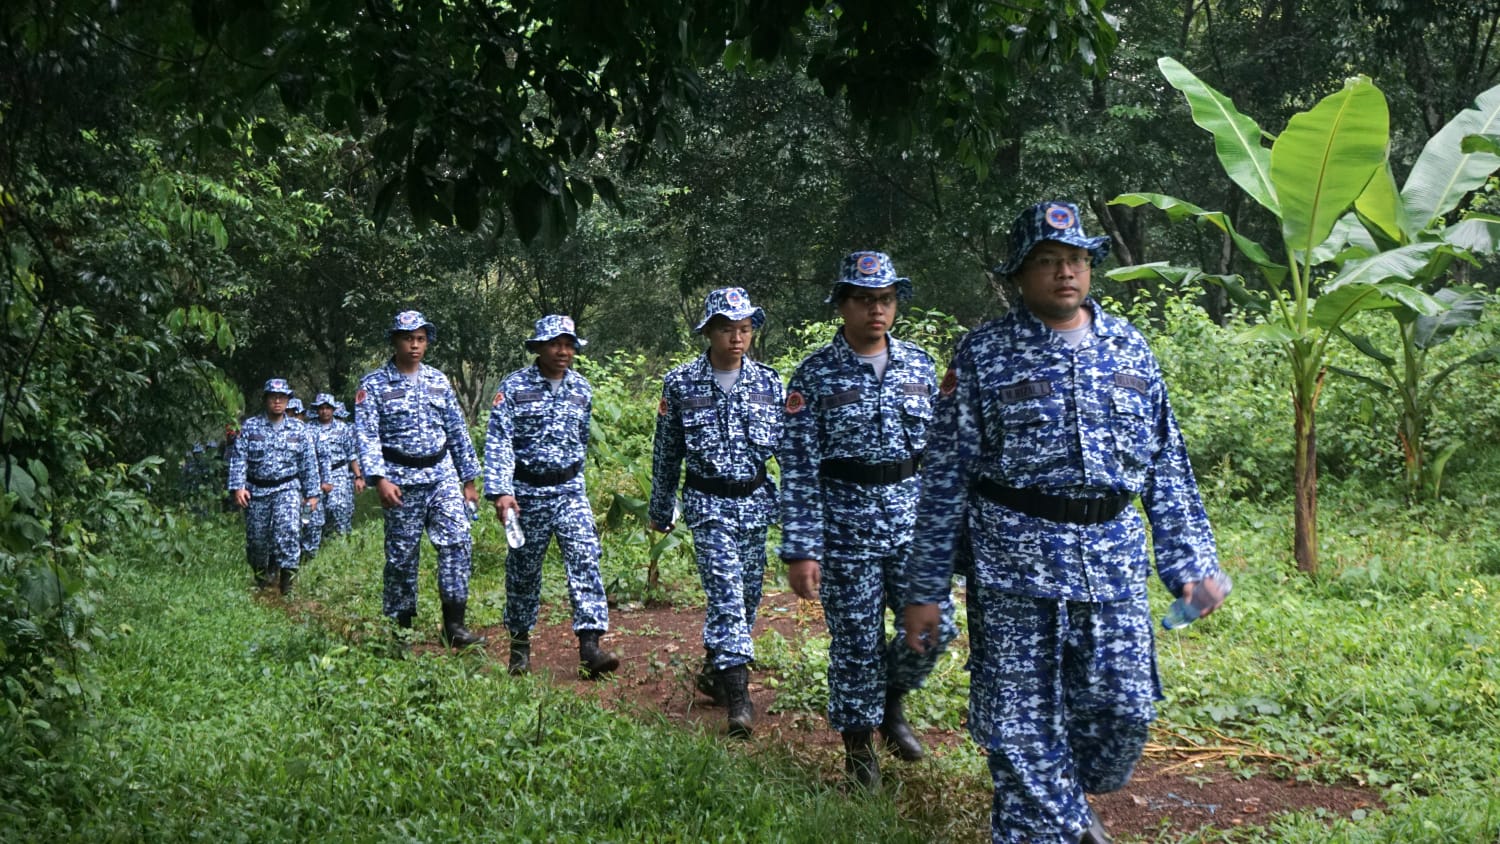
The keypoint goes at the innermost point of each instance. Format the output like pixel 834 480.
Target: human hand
pixel 921 621
pixel 242 498
pixel 805 576
pixel 504 503
pixel 390 494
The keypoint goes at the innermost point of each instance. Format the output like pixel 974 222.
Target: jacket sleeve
pixel 948 469
pixel 801 488
pixel 667 452
pixel 460 445
pixel 367 432
pixel 1181 537
pixel 499 453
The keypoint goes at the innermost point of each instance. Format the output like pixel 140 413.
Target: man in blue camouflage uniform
pixel 857 413
pixel 273 471
pixel 534 450
pixel 723 413
pixel 314 519
pixel 1051 421
pixel 337 439
pixel 414 447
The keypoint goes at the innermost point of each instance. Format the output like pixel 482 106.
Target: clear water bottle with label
pixel 514 536
pixel 471 510
pixel 306 513
pixel 1182 613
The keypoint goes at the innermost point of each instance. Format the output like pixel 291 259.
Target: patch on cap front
pixel 734 296
pixel 1060 217
pixel 868 264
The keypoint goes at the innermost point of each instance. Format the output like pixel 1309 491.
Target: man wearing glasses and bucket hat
pixel 857 413
pixel 534 452
pixel 415 450
pixel 722 413
pixel 1050 423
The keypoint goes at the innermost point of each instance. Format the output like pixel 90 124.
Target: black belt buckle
pixel 727 488
pixel 550 478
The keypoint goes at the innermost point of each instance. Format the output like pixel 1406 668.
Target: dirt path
pixel 1171 794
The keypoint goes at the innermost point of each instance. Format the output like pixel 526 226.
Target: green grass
pixel 226 719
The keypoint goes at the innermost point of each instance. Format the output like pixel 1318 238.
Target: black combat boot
pixel 403 619
pixel 288 577
pixel 454 634
pixel 520 654
pixel 592 662
pixel 1095 834
pixel 894 729
pixel 860 762
pixel 264 578
pixel 735 681
pixel 707 680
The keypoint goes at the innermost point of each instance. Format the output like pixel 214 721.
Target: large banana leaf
pixel 1236 137
pixel 1465 308
pixel 1379 207
pixel 1325 158
pixel 1481 143
pixel 1177 209
pixel 1334 307
pixel 1255 302
pixel 1477 233
pixel 1404 263
pixel 1444 173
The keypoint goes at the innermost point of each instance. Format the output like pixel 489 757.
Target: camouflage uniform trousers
pixel 340 502
pixel 1062 695
pixel 272 523
pixel 438 508
pixel 570 517
pixel 312 532
pixel 732 567
pixel 860 580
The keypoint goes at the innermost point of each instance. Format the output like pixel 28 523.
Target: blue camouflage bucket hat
pixel 339 411
pixel 734 304
pixel 322 399
pixel 412 321
pixel 1056 220
pixel 295 406
pixel 869 269
pixel 554 325
pixel 278 385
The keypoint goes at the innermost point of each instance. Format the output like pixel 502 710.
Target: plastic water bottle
pixel 1183 613
pixel 306 513
pixel 514 536
pixel 471 510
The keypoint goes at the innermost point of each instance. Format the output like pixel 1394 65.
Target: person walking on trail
pixel 722 413
pixel 414 448
pixel 346 477
pixel 857 413
pixel 1051 422
pixel 273 473
pixel 314 519
pixel 534 451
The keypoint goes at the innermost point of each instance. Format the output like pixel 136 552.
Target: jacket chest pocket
pixel 763 421
pixel 1132 425
pixel 1032 432
pixel 845 416
pixel 699 427
pixel 916 415
pixel 531 418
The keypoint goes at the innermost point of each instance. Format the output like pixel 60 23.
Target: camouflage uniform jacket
pixel 542 430
pixel 725 436
pixel 415 420
pixel 1025 410
pixel 338 442
pixel 267 452
pixel 837 409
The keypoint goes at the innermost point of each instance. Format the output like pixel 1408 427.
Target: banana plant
pixel 1349 242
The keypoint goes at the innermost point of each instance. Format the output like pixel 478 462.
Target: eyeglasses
pixel 867 300
pixel 1053 262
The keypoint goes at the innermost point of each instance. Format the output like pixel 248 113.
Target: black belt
pixel 874 474
pixel 425 462
pixel 728 488
pixel 267 483
pixel 1056 508
pixel 341 464
pixel 552 478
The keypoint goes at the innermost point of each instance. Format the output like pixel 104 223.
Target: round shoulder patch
pixel 795 402
pixel 950 382
pixel 661 407
pixel 359 397
pixel 499 399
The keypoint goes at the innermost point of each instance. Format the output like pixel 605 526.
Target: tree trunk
pixel 1305 537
